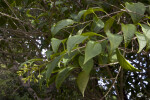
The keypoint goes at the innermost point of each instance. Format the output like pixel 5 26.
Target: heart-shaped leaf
pixel 114 39
pixel 136 11
pixel 92 49
pixel 128 32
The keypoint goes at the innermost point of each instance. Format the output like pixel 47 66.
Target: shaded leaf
pixel 97 25
pixel 51 66
pixel 136 10
pixel 82 81
pixel 123 62
pixel 60 25
pixel 87 67
pixel 92 49
pixel 109 23
pixel 92 10
pixel 55 44
pixel 128 32
pixel 67 57
pixel 48 53
pixel 73 40
pixel 62 75
pixel 141 40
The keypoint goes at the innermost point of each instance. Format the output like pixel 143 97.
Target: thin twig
pixel 112 84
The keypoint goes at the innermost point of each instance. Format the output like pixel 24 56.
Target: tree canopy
pixel 74 49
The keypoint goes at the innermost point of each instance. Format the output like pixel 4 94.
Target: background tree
pixel 74 49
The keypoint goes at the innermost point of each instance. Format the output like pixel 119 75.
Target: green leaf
pixel 60 25
pixel 141 40
pixel 92 10
pixel 128 32
pixel 82 81
pixel 62 75
pixel 73 40
pixel 87 67
pixel 67 57
pixel 55 44
pixel 115 40
pixel 91 34
pixel 109 23
pixel 80 14
pixel 51 66
pixel 136 11
pixel 48 53
pixel 97 25
pixel 146 31
pixel 92 49
pixel 123 62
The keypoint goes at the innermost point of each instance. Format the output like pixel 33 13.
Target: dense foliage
pixel 74 49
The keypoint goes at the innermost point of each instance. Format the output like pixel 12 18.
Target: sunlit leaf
pixel 141 40
pixel 109 23
pixel 124 63
pixel 92 49
pixel 146 31
pixel 91 34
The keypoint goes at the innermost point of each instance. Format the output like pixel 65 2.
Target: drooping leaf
pixel 146 31
pixel 124 63
pixel 82 81
pixel 97 25
pixel 60 25
pixel 92 10
pixel 87 67
pixel 62 75
pixel 109 23
pixel 91 34
pixel 51 66
pixel 55 44
pixel 73 40
pixel 141 40
pixel 114 39
pixel 92 49
pixel 80 14
pixel 136 10
pixel 128 32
